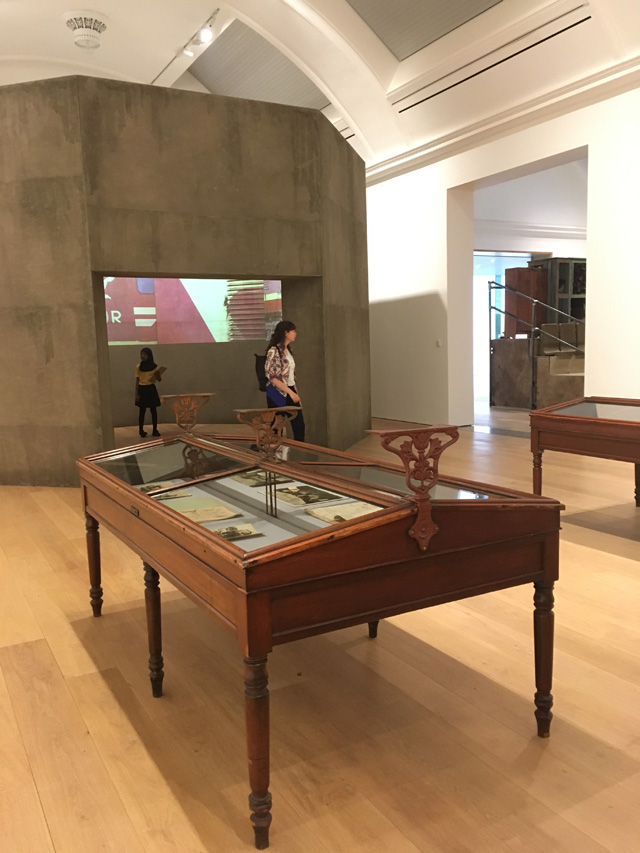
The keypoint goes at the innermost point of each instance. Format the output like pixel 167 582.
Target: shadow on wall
pixel 409 359
pixel 227 370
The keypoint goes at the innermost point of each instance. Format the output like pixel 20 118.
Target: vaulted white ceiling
pixel 404 81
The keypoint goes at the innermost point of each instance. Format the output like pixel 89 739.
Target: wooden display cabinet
pixel 566 287
pixel 302 540
pixel 604 427
pixel 520 313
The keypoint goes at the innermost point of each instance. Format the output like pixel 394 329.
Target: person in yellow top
pixel 146 391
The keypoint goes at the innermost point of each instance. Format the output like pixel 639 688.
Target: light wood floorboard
pixel 422 740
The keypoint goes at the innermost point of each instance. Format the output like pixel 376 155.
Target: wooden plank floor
pixel 423 740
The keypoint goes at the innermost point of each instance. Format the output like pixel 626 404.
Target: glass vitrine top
pixel 379 477
pixel 593 409
pixel 383 479
pixel 177 462
pixel 286 452
pixel 256 507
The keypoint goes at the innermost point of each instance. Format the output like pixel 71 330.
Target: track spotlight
pixel 204 35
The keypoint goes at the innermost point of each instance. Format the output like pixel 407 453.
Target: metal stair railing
pixel 535 331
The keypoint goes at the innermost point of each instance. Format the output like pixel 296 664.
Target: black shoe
pixel 155 432
pixel 143 434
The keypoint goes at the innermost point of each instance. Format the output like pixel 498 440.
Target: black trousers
pixel 297 424
pixel 154 417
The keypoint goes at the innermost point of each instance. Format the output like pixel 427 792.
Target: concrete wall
pixel 345 290
pixel 51 399
pixel 102 177
pixel 303 303
pixel 181 183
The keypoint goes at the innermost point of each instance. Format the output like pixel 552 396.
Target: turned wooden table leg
pixel 154 628
pixel 637 492
pixel 543 643
pixel 373 629
pixel 257 719
pixel 537 473
pixel 95 572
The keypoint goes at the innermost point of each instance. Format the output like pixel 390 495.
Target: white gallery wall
pixel 542 212
pixel 421 242
pixel 505 240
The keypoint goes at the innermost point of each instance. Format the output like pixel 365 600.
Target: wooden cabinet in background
pixel 566 287
pixel 521 314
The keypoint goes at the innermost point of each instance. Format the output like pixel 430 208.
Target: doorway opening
pixel 536 213
pixel 487 325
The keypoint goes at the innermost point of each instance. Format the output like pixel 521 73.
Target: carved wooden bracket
pixel 268 426
pixel 420 452
pixel 185 407
pixel 196 462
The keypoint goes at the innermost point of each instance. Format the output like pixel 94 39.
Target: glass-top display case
pixel 593 407
pixel 225 487
pixel 604 427
pixel 279 541
pixel 247 504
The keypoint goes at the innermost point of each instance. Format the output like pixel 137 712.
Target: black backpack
pixel 262 379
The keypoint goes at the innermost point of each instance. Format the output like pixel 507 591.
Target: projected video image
pixel 190 310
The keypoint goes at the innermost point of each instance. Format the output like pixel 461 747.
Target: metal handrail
pixel 535 330
pixel 494 285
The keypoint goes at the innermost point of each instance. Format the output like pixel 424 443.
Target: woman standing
pixel 146 391
pixel 280 369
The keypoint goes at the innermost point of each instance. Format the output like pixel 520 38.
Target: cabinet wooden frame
pixel 554 428
pixel 349 573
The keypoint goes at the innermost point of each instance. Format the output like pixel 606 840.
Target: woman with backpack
pixel 279 369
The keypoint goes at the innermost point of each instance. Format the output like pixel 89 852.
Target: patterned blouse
pixel 277 365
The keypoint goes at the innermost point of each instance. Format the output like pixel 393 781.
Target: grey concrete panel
pixel 343 175
pixel 133 242
pixel 46 303
pixel 209 155
pixel 175 183
pixel 347 375
pixel 40 130
pixel 344 259
pixel 43 251
pixel 303 304
pixel 102 360
pixel 345 292
pixel 53 372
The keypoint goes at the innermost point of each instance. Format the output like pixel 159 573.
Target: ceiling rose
pixel 87 28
